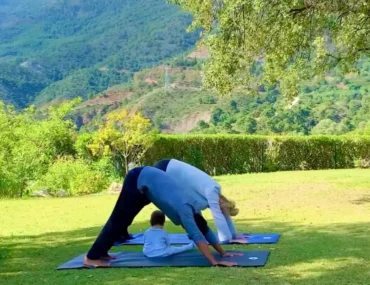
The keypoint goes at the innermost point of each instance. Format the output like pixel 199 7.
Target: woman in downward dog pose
pixel 147 184
pixel 207 191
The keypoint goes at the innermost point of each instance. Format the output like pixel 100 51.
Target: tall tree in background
pixel 295 39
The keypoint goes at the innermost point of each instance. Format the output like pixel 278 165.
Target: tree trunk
pixel 22 189
pixel 126 164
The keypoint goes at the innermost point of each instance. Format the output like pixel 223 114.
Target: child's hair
pixel 228 206
pixel 157 218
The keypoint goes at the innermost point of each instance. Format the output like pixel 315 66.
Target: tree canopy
pixel 124 136
pixel 65 49
pixel 294 39
pixel 29 145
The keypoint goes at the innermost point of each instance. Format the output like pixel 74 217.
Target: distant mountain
pixel 57 49
pixel 113 54
pixel 335 104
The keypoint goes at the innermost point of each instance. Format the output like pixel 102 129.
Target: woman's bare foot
pixel 108 257
pixel 95 263
pixel 240 241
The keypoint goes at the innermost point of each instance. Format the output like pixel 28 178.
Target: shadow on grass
pixel 304 255
pixel 364 200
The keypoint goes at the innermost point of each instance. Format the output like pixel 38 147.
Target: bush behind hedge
pixel 75 176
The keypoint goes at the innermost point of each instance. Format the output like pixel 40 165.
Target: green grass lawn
pixel 323 216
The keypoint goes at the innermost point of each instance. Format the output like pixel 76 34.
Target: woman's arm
pixel 222 225
pixel 231 226
pixel 189 224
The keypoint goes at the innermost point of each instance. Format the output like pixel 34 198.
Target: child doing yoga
pixel 156 239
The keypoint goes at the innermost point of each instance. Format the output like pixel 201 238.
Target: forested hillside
pixel 66 48
pixel 334 104
pixel 113 54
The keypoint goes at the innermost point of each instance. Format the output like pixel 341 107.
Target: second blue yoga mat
pixel 138 239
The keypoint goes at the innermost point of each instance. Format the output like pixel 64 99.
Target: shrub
pixel 233 154
pixel 215 154
pixel 362 163
pixel 75 176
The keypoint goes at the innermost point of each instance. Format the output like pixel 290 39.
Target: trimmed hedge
pixel 235 154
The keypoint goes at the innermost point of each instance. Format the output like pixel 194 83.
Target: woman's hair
pixel 228 206
pixel 157 218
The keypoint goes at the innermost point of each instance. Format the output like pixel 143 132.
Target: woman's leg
pixel 129 204
pixel 162 165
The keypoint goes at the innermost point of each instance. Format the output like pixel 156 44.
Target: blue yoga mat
pixel 187 259
pixel 138 239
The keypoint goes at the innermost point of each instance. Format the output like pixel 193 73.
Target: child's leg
pixel 171 250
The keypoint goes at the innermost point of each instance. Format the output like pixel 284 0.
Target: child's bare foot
pixel 95 263
pixel 108 257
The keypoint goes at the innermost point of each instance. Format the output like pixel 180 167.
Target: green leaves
pixel 28 146
pixel 295 39
pixel 76 176
pixel 125 137
pixel 261 153
pixel 65 50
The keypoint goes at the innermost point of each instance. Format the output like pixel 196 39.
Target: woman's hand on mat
pixel 241 241
pixel 231 254
pixel 225 263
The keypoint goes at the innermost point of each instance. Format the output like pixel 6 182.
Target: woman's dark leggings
pixel 129 204
pixel 162 164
